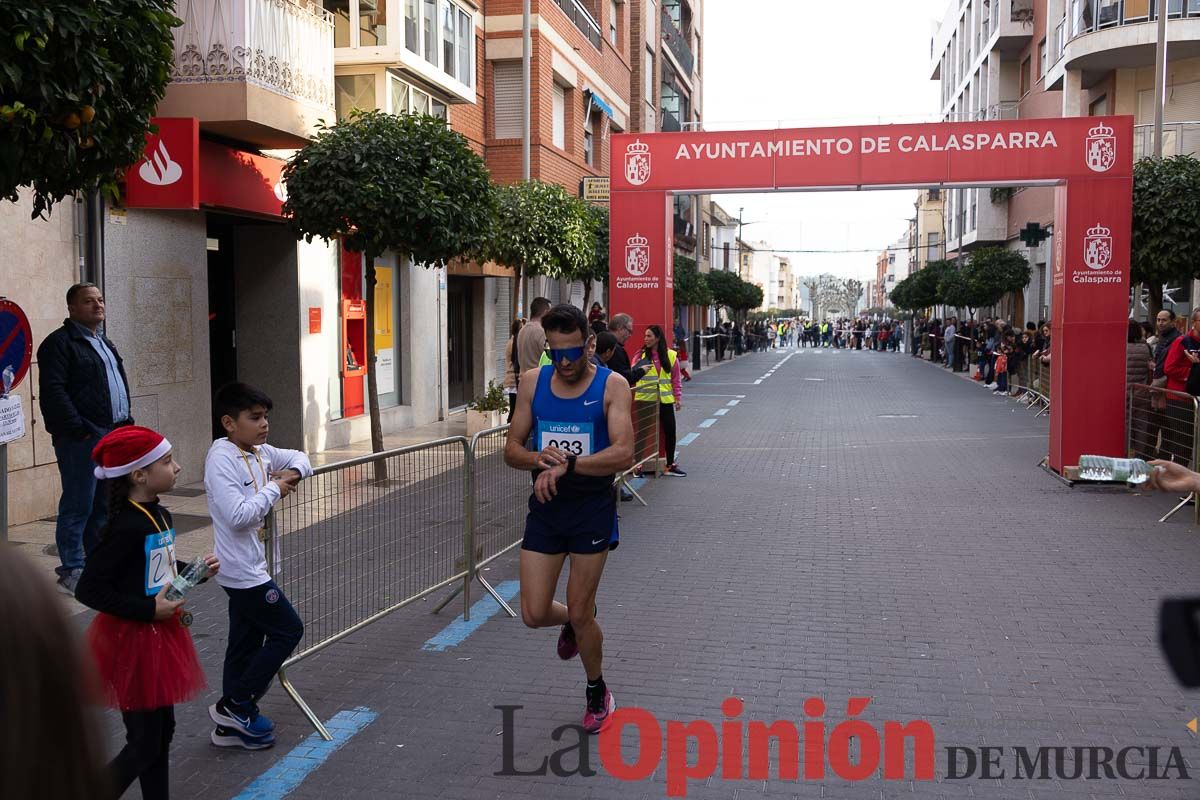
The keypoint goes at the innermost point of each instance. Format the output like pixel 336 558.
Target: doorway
pixel 460 355
pixel 222 306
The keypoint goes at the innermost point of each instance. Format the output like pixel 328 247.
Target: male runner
pixel 582 432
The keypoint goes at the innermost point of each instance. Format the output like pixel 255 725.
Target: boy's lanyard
pixel 262 529
pixel 153 522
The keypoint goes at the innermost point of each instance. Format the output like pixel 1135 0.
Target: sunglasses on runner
pixel 569 353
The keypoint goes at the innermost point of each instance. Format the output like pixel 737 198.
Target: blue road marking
pixel 708 423
pixel 290 771
pixel 456 632
pixel 685 441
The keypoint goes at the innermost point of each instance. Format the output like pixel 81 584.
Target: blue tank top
pixel 577 426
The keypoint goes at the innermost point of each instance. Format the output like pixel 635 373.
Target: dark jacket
pixel 115 575
pixel 619 363
pixel 1161 347
pixel 72 384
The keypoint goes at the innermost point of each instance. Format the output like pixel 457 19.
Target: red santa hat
pixel 128 448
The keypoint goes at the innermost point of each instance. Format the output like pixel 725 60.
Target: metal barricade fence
pixel 646 435
pixel 363 538
pixel 1161 423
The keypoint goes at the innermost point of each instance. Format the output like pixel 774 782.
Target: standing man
pixel 579 415
pixel 621 326
pixel 531 341
pixel 949 342
pixel 84 394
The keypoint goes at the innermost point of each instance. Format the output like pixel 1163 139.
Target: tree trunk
pixel 381 470
pixel 516 294
pixel 1155 302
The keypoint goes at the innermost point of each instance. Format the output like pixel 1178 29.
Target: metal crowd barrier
pixel 363 538
pixel 1033 380
pixel 1163 424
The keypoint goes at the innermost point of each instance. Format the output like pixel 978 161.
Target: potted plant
pixel 487 411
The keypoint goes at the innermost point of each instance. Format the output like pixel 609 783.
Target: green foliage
pixel 597 268
pixel 920 290
pixel 494 399
pixel 542 230
pixel 1166 220
pixel 954 289
pixel 751 296
pixel 993 272
pixel 78 84
pixel 725 288
pixel 691 287
pixel 405 183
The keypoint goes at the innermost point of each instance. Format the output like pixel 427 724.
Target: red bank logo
pixel 1101 148
pixel 158 169
pixel 637 163
pixel 637 255
pixel 1097 248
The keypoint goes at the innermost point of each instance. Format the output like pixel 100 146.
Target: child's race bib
pixel 160 560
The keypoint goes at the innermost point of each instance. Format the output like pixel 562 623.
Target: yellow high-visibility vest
pixel 655 385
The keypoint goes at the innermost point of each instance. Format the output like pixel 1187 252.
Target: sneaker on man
pixel 598 718
pixel 230 737
pixel 675 472
pixel 243 720
pixel 68 581
pixel 568 648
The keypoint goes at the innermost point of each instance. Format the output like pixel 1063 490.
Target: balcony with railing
pixel 1179 138
pixel 676 33
pixel 583 20
pixel 259 71
pixel 1102 35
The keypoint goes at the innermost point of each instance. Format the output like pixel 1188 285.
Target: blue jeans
pixel 264 629
pixel 83 507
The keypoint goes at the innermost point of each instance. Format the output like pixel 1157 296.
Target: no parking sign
pixel 16 350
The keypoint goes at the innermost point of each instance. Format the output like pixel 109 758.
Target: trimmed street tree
pixel 381 182
pixel 597 270
pixel 726 289
pixel 923 292
pixel 852 290
pixel 78 84
pixel 691 286
pixel 542 230
pixel 993 272
pixel 1166 223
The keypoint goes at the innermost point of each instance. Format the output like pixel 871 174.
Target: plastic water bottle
pixel 1114 470
pixel 193 573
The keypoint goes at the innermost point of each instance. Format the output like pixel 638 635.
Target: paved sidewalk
pixel 854 524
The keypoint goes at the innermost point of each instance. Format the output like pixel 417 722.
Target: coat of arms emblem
pixel 637 255
pixel 1101 148
pixel 637 163
pixel 1097 247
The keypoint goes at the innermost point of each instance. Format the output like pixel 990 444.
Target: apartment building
pixel 990 57
pixel 1010 59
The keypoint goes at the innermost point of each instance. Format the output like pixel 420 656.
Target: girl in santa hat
pixel 146 659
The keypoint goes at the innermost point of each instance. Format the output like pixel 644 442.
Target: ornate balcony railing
pixel 280 45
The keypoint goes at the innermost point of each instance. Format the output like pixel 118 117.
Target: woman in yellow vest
pixel 661 384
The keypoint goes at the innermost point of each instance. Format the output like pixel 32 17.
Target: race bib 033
pixel 570 437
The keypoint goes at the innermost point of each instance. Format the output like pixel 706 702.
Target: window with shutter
pixel 506 89
pixel 560 117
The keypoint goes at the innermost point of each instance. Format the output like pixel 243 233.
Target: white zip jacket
pixel 240 493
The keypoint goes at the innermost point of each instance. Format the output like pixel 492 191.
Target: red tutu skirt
pixel 144 665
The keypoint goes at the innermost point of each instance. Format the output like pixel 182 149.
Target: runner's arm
pixel 619 453
pixel 516 455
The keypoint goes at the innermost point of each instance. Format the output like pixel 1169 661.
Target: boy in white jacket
pixel 244 478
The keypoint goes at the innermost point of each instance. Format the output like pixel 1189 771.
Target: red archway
pixel 1089 160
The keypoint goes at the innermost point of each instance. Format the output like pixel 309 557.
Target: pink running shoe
pixel 596 721
pixel 568 648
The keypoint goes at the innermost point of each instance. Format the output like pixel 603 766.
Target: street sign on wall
pixel 16 345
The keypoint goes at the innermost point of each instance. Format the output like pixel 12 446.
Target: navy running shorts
pixel 584 524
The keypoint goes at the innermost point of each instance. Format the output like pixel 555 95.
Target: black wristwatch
pixel 571 464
